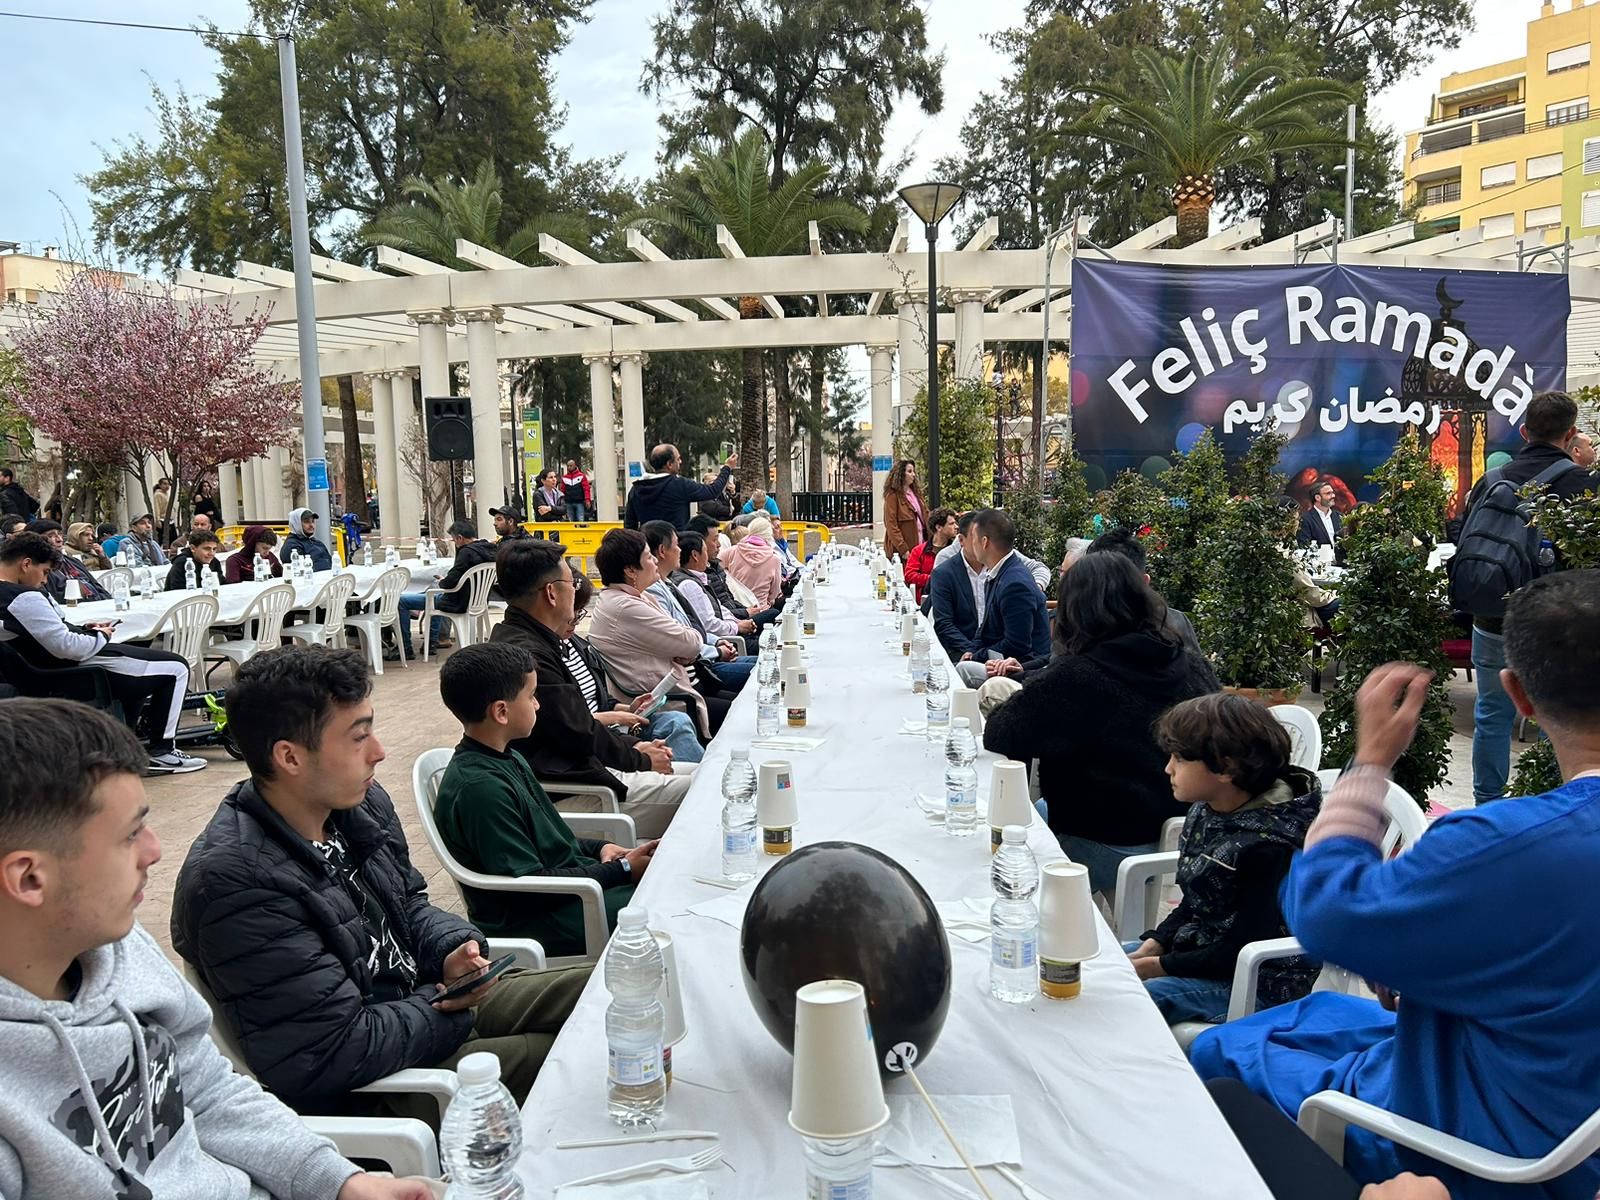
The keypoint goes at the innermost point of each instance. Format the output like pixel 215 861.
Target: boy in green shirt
pixel 496 819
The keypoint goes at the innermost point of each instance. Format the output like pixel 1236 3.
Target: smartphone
pixel 659 696
pixel 474 981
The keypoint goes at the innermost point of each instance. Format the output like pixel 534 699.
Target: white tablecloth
pixel 1106 1104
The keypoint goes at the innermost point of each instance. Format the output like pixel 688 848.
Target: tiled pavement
pixel 411 719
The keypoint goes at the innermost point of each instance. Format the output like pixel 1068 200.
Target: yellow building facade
pixel 1514 147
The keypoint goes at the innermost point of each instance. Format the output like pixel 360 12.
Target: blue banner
pixel 1340 358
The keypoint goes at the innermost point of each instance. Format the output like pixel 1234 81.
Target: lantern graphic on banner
pixel 1458 446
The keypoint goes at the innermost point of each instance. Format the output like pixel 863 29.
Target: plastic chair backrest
pixel 333 597
pixel 268 611
pixel 111 576
pixel 1407 822
pixel 1305 735
pixel 479 580
pixel 425 775
pixel 183 629
pixel 390 586
pixel 221 1032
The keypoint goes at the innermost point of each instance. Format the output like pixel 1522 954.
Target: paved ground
pixel 411 719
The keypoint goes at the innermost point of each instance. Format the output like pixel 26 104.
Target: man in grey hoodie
pixel 113 1090
pixel 303 537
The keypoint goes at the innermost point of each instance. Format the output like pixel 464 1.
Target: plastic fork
pixel 681 1166
pixel 1029 1192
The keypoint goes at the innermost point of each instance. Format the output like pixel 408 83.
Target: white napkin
pixel 727 908
pixel 795 742
pixel 984 1125
pixel 642 1187
pixel 965 919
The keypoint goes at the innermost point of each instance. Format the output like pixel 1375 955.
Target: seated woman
pixel 1088 716
pixel 241 564
pixel 82 546
pixel 1249 810
pixel 754 562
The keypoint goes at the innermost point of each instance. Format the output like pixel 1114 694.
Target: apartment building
pixel 1512 147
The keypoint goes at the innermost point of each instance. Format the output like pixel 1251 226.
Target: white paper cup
pixel 671 994
pixel 1009 803
pixel 1067 933
pixel 790 659
pixel 797 694
pixel 777 808
pixel 908 626
pixel 808 610
pixel 964 703
pixel 791 626
pixel 837 1093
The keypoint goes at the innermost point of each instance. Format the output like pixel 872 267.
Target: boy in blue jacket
pixel 1480 935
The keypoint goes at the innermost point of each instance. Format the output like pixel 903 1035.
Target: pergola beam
pixel 984 236
pixel 1380 239
pixel 564 255
pixel 897 245
pixel 729 245
pixel 645 250
pixel 814 242
pixel 1231 238
pixel 604 310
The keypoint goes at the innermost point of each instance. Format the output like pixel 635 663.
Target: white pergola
pixel 416 317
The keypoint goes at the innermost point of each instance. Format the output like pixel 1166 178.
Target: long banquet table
pixel 1105 1103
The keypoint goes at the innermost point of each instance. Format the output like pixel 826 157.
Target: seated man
pixel 141 545
pixel 89 588
pixel 203 547
pixel 470 551
pixel 300 908
pixel 303 537
pixel 1480 933
pixel 495 818
pixel 1228 759
pixel 955 592
pixel 1040 572
pixel 724 666
pixel 507 525
pixel 759 501
pixel 90 1113
pixel 149 684
pixel 919 563
pixel 694 586
pixel 573 742
pixel 1015 622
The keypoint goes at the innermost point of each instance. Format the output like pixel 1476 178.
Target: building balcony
pixel 1439 193
pixel 1486 129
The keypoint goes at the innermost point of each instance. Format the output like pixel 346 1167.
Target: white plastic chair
pixel 384 613
pixel 265 616
pixel 425 775
pixel 1139 879
pixel 1325 1116
pixel 469 625
pixel 183 629
pixel 106 579
pixel 331 600
pixel 1305 735
pixel 404 1144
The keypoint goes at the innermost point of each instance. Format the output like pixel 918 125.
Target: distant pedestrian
pixel 14 498
pixel 578 492
pixel 548 501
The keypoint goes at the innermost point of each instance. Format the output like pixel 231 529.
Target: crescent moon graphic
pixel 1444 295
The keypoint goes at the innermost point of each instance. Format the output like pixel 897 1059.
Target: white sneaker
pixel 174 762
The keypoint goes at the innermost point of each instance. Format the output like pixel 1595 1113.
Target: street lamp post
pixel 932 202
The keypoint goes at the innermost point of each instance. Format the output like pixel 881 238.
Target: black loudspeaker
pixel 448 420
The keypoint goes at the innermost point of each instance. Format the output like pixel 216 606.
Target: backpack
pixel 1498 550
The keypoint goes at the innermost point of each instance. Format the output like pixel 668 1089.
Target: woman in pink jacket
pixel 754 562
pixel 639 641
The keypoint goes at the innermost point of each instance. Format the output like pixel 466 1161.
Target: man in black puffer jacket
pixel 299 906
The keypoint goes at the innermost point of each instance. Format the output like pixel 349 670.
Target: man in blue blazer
pixel 1015 623
pixel 952 602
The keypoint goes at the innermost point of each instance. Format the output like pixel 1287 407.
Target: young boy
pixel 495 817
pixel 1229 760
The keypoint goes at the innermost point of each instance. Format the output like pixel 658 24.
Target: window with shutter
pixel 1590 215
pixel 1503 225
pixel 1499 175
pixel 1545 165
pixel 1567 59
pixel 1542 218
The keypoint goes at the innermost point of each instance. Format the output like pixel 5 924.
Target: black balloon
pixel 840 910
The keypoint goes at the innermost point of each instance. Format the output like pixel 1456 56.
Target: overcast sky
pixel 75 88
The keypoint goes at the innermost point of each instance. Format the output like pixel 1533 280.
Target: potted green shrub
pixel 1198 492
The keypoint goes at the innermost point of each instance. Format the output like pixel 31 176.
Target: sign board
pixel 317 474
pixel 532 452
pixel 883 462
pixel 1341 359
pixel 635 470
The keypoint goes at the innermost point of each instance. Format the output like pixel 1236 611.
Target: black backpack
pixel 1498 549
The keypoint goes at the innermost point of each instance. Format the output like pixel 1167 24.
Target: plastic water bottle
pixel 391 556
pixel 147 578
pixel 422 550
pixel 480 1138
pixel 839 1170
pixel 636 1024
pixel 1014 920
pixel 938 703
pixel 960 780
pixel 122 556
pixel 210 581
pixel 769 700
pixel 739 818
pixel 294 564
pixel 190 579
pixel 919 659
pixel 263 571
pixel 366 554
pixel 119 594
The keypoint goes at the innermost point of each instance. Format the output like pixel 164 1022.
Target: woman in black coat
pixel 1088 716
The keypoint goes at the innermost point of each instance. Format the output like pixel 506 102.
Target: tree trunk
pixel 782 435
pixel 752 403
pixel 819 445
pixel 355 481
pixel 1194 222
pixel 1041 387
pixel 763 476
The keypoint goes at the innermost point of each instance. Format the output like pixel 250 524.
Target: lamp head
pixel 931 201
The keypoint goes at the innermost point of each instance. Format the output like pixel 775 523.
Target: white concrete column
pixel 406 525
pixel 969 333
pixel 882 376
pixel 631 367
pixel 228 492
pixel 275 493
pixel 914 334
pixel 386 453
pixel 488 446
pixel 251 498
pixel 603 416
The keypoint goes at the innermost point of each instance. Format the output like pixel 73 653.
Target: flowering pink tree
pixel 146 379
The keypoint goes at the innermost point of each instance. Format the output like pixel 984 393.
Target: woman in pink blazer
pixel 754 562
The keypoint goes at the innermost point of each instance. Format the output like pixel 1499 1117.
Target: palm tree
pixel 1207 112
pixel 734 189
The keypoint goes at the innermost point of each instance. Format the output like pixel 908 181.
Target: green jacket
pixel 496 819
